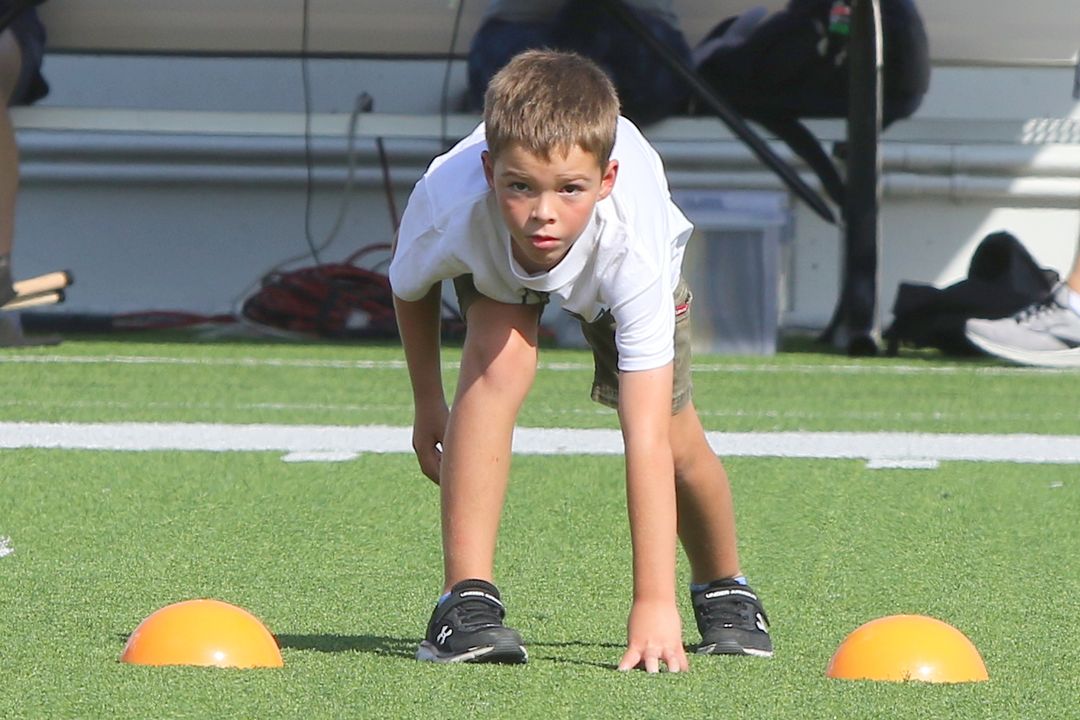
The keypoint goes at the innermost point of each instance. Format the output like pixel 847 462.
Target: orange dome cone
pixel 907 647
pixel 202 632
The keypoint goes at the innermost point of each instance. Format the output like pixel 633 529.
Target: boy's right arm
pixel 419 325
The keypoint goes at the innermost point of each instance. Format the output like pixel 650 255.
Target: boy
pixel 526 207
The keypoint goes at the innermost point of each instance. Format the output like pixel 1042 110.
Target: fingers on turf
pixel 653 662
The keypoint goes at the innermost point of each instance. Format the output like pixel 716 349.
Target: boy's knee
pixel 500 353
pixel 506 358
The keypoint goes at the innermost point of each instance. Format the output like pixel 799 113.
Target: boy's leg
pixel 705 514
pixel 497 368
pixel 729 614
pixel 727 617
pixel 703 498
pixel 498 364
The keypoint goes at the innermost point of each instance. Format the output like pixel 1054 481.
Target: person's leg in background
pixel 22 46
pixel 10 69
pixel 1073 280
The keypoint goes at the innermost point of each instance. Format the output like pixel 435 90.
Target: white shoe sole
pixel 427 652
pixel 730 649
pixel 1068 358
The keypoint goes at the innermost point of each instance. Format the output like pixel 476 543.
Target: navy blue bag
pixel 1003 278
pixel 778 69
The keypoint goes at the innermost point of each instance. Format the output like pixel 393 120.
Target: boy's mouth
pixel 543 242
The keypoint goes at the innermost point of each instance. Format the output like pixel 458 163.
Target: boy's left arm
pixel 654 628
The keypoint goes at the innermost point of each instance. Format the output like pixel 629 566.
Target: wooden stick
pixel 49 297
pixel 43 283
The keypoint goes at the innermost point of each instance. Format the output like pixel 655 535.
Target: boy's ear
pixel 489 168
pixel 607 180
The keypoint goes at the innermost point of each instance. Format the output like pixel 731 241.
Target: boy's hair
pixel 546 101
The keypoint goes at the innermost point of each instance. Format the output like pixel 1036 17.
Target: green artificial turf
pixel 341 561
pixel 251 382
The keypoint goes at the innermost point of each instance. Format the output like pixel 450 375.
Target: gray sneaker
pixel 1046 333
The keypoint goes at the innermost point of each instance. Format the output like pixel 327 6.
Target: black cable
pixel 388 185
pixel 444 107
pixel 309 161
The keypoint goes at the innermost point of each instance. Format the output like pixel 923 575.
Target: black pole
pixel 730 118
pixel 862 226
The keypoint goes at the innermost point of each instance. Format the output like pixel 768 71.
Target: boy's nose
pixel 542 209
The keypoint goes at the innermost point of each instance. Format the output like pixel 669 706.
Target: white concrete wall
pixel 188 222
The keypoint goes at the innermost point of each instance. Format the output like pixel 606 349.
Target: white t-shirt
pixel 627 260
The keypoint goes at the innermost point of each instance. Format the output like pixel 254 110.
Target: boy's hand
pixel 655 637
pixel 428 430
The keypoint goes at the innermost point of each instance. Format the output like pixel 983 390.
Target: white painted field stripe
pixel 889 446
pixel 901 446
pixel 206 436
pixel 763 367
pixel 901 464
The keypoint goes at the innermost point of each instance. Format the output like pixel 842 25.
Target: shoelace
pixel 473 614
pixel 1050 304
pixel 731 610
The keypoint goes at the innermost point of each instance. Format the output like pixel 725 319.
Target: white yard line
pixel 763 367
pixel 883 449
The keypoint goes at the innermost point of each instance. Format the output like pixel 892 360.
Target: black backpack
pixel 1002 279
pixel 777 69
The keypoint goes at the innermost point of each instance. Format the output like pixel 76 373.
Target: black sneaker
pixel 468 627
pixel 731 621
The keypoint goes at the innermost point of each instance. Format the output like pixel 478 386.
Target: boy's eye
pixel 519 187
pixel 571 189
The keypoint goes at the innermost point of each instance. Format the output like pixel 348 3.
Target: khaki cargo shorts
pixel 600 335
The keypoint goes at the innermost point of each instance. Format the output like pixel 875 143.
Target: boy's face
pixel 546 204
